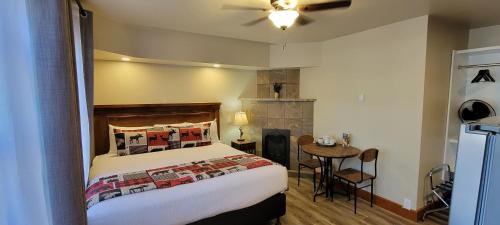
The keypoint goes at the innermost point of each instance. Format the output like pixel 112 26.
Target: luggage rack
pixel 439 200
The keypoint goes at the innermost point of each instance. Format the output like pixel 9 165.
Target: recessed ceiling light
pixel 126 59
pixel 216 65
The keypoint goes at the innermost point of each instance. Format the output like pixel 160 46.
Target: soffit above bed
pixel 206 17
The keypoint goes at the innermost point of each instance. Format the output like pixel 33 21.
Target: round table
pixel 329 153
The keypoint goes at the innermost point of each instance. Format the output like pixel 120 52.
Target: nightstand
pixel 247 146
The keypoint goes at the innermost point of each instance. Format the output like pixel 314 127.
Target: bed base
pixel 260 213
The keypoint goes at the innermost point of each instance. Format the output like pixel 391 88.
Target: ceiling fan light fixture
pixel 283 19
pixel 287 4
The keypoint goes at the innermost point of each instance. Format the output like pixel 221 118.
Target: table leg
pixel 321 179
pixel 329 178
pixel 325 179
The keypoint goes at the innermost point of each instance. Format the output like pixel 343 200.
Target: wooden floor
pixel 301 210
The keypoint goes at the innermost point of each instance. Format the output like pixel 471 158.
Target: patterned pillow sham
pixel 112 141
pixel 212 124
pixel 193 135
pixel 129 142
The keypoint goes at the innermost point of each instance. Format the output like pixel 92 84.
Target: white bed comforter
pixel 184 203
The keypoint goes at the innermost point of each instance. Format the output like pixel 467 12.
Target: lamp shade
pixel 240 118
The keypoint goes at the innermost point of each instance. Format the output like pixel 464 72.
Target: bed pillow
pixel 195 135
pixel 130 142
pixel 184 124
pixel 213 131
pixel 214 137
pixel 112 142
pixel 172 137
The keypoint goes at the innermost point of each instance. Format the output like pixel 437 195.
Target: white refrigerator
pixel 476 190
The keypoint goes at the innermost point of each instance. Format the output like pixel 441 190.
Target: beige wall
pixel 295 55
pixel 140 83
pixel 163 44
pixel 484 37
pixel 387 65
pixel 442 39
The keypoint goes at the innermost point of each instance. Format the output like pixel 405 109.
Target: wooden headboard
pixel 148 115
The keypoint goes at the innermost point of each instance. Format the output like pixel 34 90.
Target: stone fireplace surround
pixel 288 112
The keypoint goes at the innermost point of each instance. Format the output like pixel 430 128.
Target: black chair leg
pixel 333 186
pixel 314 180
pixel 355 197
pixel 349 190
pixel 298 178
pixel 371 194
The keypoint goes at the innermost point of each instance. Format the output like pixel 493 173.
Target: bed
pixel 247 197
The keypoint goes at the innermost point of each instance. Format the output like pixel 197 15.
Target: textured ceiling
pixel 207 17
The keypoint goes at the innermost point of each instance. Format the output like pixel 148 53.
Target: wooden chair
pixel 355 177
pixel 308 163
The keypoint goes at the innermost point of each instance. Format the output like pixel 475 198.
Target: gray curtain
pixel 87 43
pixel 56 94
pixel 86 30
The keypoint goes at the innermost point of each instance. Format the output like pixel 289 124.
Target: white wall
pixel 484 37
pixel 140 83
pixel 442 39
pixel 387 65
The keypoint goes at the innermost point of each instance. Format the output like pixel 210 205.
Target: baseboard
pixel 391 206
pixel 414 215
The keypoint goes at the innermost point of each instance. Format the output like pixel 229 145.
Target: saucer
pixel 325 145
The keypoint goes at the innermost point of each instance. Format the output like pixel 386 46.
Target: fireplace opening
pixel 276 146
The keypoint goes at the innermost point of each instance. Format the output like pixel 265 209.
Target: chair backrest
pixel 303 140
pixel 369 155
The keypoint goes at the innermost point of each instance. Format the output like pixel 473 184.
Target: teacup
pixel 327 140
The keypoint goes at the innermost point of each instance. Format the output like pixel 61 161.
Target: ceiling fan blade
pixel 253 22
pixel 239 7
pixel 324 6
pixel 303 20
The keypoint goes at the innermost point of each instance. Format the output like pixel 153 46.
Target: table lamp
pixel 240 119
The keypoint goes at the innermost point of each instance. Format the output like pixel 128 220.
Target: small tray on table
pixel 324 145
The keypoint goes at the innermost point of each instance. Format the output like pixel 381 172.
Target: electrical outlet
pixel 407 203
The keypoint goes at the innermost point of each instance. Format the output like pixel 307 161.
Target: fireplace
pixel 276 145
pixel 289 111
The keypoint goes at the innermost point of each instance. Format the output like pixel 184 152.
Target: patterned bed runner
pixel 103 188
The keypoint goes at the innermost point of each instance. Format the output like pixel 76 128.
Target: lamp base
pixel 241 139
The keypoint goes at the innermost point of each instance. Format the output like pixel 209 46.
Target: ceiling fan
pixel 284 13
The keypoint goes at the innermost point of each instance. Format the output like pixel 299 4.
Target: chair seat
pixel 310 163
pixel 352 175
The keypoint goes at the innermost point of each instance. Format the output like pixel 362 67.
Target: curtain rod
pixel 83 12
pixel 479 66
